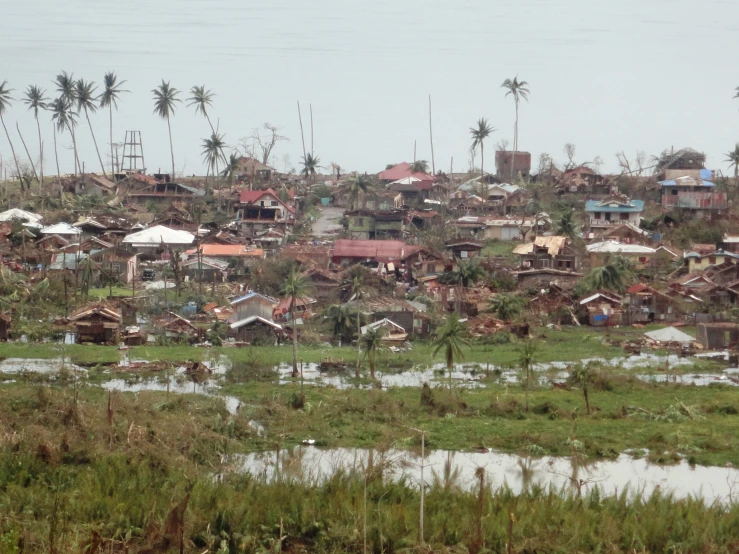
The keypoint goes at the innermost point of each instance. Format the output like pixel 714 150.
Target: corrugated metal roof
pixel 159 235
pixel 553 244
pixel 629 206
pixel 687 181
pixel 402 170
pixel 227 250
pixel 615 247
pixel 253 294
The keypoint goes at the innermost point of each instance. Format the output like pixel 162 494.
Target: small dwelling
pixel 603 309
pixel 393 333
pixel 97 324
pixel 615 210
pixel 255 329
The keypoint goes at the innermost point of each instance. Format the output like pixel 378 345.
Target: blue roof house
pixel 615 210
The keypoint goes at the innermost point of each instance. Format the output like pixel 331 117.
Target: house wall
pixel 674 197
pixel 253 306
pixel 700 264
pixel 640 261
pixel 616 218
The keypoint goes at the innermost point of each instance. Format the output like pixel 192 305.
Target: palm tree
pixel 372 343
pixel 467 273
pixel 65 86
pixel 611 276
pixel 356 185
pixel 517 89
pixel 231 169
pixel 165 99
pixel 63 119
pixel 213 154
pixel 296 287
pixel 201 99
pixel 506 306
pixel 733 158
pixel 583 376
pixel 526 354
pixel 310 164
pixel 450 339
pixel 109 99
pixel 86 101
pixel 5 100
pixel 36 100
pixel 479 134
pixel 420 166
pixel 357 288
pixel 566 225
pixel 339 317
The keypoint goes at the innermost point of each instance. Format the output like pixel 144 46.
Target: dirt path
pixel 328 222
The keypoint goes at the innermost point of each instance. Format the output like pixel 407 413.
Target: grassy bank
pixel 136 475
pixel 568 344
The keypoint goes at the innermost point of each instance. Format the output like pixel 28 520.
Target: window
pixel 608 216
pixel 463 254
pixel 569 264
pixel 642 259
pixel 624 217
pixel 261 203
pixel 597 215
pixel 712 260
pixel 360 221
pixel 543 263
pixel 273 203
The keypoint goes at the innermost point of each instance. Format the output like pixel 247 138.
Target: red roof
pixel 378 250
pixel 403 170
pixel 637 288
pixel 252 196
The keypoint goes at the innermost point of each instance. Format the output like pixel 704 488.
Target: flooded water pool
pixel 458 469
pixel 33 365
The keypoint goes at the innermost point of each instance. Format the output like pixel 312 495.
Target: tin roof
pixel 610 205
pixel 615 247
pixel 687 181
pixel 401 171
pixel 227 250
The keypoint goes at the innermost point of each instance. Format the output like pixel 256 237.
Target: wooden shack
pixel 97 324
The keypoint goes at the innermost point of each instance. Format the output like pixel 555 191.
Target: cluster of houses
pixel 410 231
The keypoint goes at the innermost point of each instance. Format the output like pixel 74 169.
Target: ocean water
pixel 605 76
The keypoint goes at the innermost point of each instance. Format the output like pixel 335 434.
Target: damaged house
pixel 97 324
pixel 552 252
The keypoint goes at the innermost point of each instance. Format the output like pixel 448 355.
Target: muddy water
pixel 314 465
pixel 31 365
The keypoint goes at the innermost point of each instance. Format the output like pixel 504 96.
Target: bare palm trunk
pixel 56 155
pixel 112 158
pixel 295 338
pixel 171 148
pixel 95 142
pixel 12 149
pixel 30 159
pixel 527 387
pixel 359 347
pixel 41 155
pixel 77 164
pixel 482 170
pixel 515 147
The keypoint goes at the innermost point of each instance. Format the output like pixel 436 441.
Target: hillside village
pixel 138 258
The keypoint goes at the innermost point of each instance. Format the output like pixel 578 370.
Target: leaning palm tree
pixel 517 89
pixel 109 99
pixel 371 344
pixel 36 100
pixel 479 134
pixel 296 287
pixel 165 100
pixel 86 99
pixel 202 99
pixel 612 276
pixel 566 225
pixel 213 155
pixel 733 158
pixel 5 100
pixel 310 164
pixel 65 86
pixel 450 339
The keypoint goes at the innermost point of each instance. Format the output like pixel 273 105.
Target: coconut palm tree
pixel 506 306
pixel 467 273
pixel 371 344
pixel 202 99
pixel 733 158
pixel 213 155
pixel 165 101
pixel 358 291
pixel 231 169
pixel 109 99
pixel 566 225
pixel 517 89
pixel 84 92
pixel 339 318
pixel 420 166
pixel 5 101
pixel 450 338
pixel 612 276
pixel 295 287
pixel 358 184
pixel 36 100
pixel 479 134
pixel 65 86
pixel 310 164
pixel 526 353
pixel 63 118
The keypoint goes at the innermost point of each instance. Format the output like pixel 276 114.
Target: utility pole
pixel 431 135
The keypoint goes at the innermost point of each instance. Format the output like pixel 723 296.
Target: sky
pixel 634 75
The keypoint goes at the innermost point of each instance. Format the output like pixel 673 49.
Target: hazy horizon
pixel 634 76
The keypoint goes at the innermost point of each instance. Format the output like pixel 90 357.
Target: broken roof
pixel 159 235
pixel 669 334
pixel 615 247
pixel 553 244
pixel 60 229
pixel 20 215
pixel 687 181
